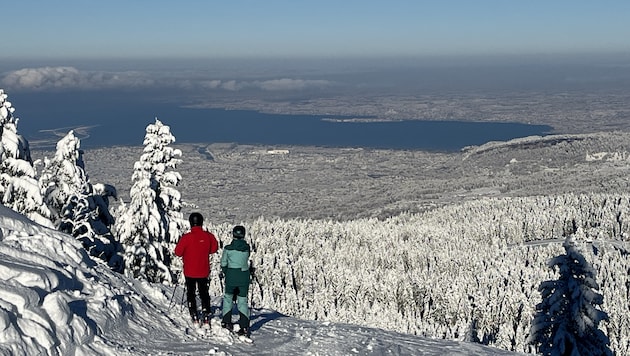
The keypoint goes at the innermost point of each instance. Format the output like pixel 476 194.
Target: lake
pixel 119 119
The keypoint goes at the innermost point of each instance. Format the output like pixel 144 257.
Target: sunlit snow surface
pixel 55 300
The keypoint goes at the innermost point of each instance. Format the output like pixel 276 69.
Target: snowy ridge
pixel 55 300
pixel 523 142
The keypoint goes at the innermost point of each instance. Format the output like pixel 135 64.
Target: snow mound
pixel 46 288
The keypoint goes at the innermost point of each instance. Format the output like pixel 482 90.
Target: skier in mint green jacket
pixel 235 267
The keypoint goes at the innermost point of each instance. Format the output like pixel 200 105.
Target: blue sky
pixel 323 28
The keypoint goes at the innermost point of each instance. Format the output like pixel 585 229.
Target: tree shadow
pixel 262 317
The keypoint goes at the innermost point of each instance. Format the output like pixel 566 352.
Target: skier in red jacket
pixel 195 247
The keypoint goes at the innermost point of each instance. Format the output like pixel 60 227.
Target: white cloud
pixel 210 84
pixel 46 78
pixel 231 85
pixel 51 78
pixel 266 85
pixel 290 84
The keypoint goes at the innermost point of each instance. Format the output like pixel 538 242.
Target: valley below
pixel 234 183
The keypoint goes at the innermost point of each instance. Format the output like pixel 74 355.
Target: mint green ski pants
pixel 241 302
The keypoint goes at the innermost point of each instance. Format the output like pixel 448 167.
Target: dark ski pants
pixel 202 285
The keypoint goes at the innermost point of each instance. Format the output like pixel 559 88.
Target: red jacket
pixel 196 247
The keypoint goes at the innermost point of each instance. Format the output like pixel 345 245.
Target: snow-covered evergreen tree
pixel 151 223
pixel 63 177
pixel 78 207
pixel 567 319
pixel 165 160
pixel 19 189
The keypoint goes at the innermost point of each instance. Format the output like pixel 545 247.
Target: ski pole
pixel 222 292
pixel 172 302
pixel 182 302
pixel 252 274
pixel 251 304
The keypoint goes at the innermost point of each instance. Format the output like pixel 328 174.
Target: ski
pixel 215 331
pixel 235 335
pixel 198 330
pixel 242 338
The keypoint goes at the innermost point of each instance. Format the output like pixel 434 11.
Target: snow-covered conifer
pixel 78 207
pixel 164 160
pixel 567 319
pixel 63 176
pixel 151 223
pixel 19 189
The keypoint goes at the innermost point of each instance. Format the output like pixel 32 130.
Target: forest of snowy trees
pixel 483 271
pixel 469 271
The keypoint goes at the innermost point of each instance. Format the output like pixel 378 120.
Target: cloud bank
pixel 290 84
pixel 69 78
pixel 47 78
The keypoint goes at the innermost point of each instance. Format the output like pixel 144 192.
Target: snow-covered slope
pixel 55 300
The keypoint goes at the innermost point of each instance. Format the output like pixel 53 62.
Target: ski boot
pixel 226 322
pixel 195 320
pixel 228 326
pixel 205 319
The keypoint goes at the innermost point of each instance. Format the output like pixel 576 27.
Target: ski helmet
pixel 238 232
pixel 195 219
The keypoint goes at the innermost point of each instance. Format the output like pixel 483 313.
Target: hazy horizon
pixel 534 72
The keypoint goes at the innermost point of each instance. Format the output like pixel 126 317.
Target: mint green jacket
pixel 235 263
